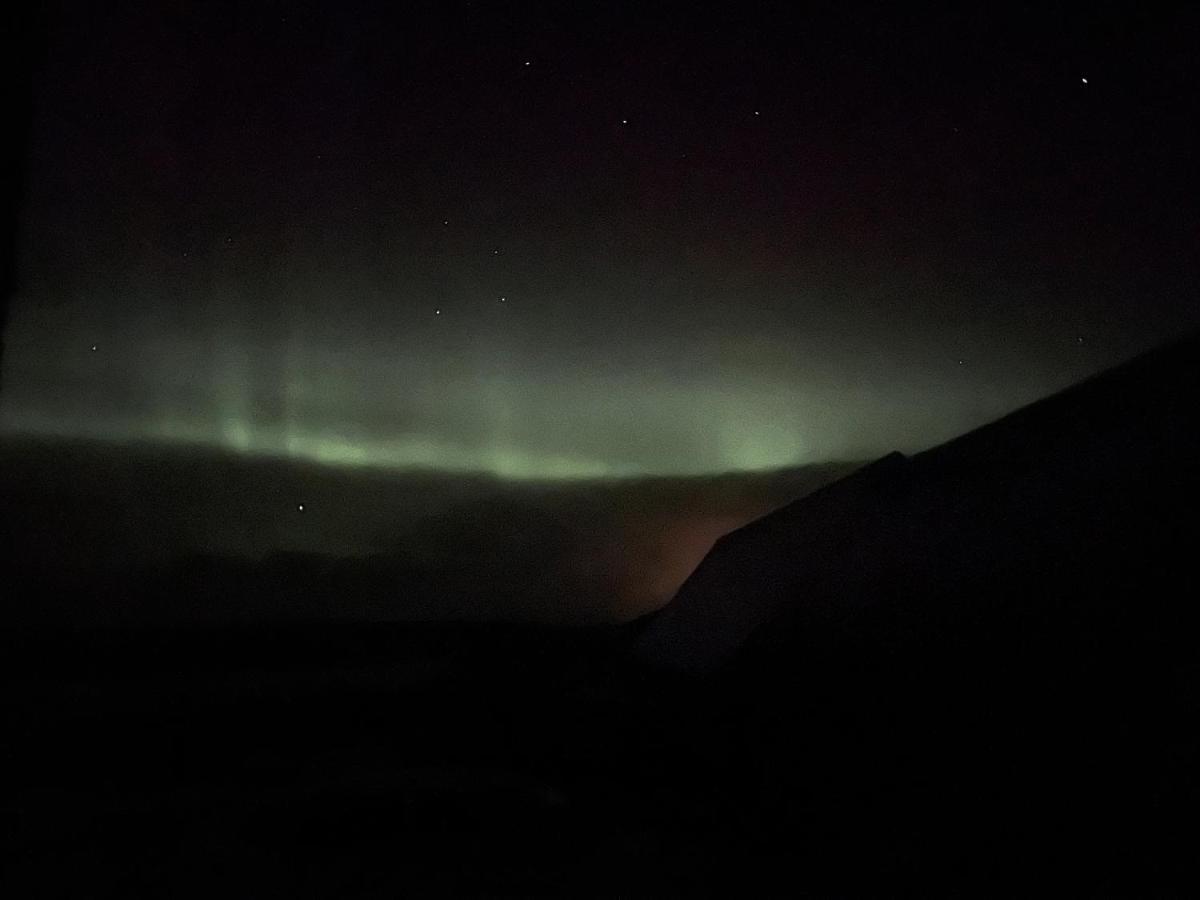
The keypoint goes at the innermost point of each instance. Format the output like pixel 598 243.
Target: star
pixel 495 252
pixel 1084 80
pixel 526 62
pixel 756 112
pixel 437 312
pixel 445 221
pixel 300 507
pixel 624 121
pixel 502 299
pixel 93 348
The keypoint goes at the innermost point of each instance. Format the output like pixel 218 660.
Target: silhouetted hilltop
pixel 1101 475
pixel 972 672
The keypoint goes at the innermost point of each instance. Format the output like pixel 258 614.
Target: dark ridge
pixel 972 671
pixel 1081 459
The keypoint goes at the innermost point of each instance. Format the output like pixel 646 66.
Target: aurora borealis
pixel 599 448
pixel 587 243
pixel 397 415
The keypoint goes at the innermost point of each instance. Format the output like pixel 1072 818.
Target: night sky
pixel 572 241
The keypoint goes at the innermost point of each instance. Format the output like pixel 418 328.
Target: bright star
pixel 1084 80
pixel 300 507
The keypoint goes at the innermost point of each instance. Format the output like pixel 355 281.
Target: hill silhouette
pixel 975 668
pixel 1106 466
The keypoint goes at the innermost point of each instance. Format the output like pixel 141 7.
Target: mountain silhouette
pixel 1093 484
pixel 972 671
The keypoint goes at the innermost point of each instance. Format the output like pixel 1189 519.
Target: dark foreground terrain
pixel 338 761
pixel 972 672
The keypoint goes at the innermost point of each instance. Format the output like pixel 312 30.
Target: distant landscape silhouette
pixel 970 671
